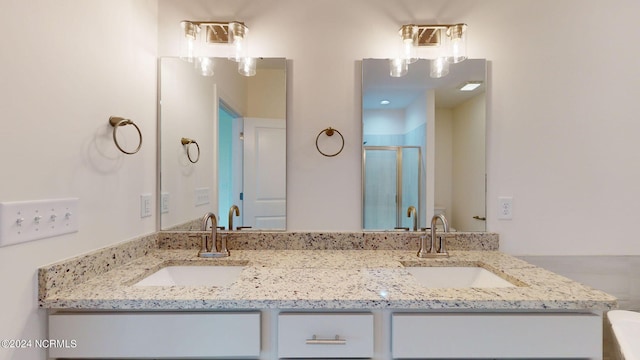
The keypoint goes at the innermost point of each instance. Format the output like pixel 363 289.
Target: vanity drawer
pixel 496 335
pixel 156 335
pixel 337 335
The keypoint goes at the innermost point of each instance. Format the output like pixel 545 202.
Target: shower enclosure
pixel 397 171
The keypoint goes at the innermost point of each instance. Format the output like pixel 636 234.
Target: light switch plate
pixel 22 221
pixel 164 202
pixel 201 196
pixel 145 205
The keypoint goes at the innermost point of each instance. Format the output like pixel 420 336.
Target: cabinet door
pixel 325 335
pixel 156 335
pixel 496 335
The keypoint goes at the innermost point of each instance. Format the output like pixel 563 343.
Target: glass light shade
pixel 409 35
pixel 205 66
pixel 238 39
pixel 398 67
pixel 188 40
pixel 247 66
pixel 439 68
pixel 457 43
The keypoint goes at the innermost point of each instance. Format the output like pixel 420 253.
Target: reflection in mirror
pixel 239 124
pixel 423 146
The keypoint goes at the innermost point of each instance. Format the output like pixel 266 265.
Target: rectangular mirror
pixel 423 146
pixel 222 143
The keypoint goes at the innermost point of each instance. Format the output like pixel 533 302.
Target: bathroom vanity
pixel 332 302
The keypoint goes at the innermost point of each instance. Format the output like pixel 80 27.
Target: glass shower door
pixel 395 171
pixel 380 195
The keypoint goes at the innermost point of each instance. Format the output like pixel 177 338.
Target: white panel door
pixel 265 173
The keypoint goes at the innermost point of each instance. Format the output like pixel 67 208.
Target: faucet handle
pixel 442 239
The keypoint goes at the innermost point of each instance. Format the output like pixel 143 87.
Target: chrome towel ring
pixel 329 132
pixel 187 143
pixel 116 122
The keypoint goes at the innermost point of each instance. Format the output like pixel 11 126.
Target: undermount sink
pixel 186 275
pixel 457 277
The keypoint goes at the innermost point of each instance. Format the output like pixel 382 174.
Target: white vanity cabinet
pixel 379 334
pixel 496 335
pixel 325 335
pixel 156 335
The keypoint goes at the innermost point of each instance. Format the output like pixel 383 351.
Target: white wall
pixel 187 110
pixel 562 107
pixel 66 67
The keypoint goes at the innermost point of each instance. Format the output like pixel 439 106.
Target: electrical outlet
pixel 145 205
pixel 23 221
pixel 201 196
pixel 164 202
pixel 505 208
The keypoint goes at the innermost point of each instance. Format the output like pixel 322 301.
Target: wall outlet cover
pixel 505 208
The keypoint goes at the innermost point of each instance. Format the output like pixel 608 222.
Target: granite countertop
pixel 328 279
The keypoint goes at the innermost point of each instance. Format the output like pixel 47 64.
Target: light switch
pixel 22 221
pixel 164 202
pixel 145 205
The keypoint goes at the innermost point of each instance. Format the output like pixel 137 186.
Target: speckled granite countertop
pixel 327 279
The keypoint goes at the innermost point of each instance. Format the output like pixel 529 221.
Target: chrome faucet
pixel 207 251
pixel 233 209
pixel 411 210
pixel 433 251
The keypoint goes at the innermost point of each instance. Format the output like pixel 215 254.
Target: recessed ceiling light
pixel 385 102
pixel 470 86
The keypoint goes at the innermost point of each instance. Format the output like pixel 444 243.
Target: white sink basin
pixel 457 277
pixel 192 276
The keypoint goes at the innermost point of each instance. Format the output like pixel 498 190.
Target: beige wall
pixel 264 100
pixel 469 163
pixel 444 162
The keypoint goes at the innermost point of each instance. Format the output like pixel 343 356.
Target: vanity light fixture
pixel 449 42
pixel 197 36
